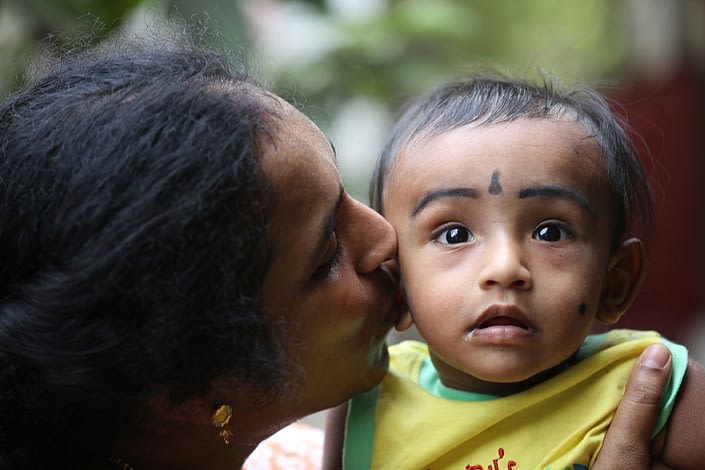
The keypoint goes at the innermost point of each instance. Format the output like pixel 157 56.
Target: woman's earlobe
pixel 625 275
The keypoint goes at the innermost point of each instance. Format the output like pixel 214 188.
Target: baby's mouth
pixel 501 321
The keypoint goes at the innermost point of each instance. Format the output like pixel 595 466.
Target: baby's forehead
pixel 532 146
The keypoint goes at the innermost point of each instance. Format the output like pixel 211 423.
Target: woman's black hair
pixel 133 244
pixel 487 98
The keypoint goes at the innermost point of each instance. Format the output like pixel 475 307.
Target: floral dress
pixel 296 447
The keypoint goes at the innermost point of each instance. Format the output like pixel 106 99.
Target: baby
pixel 516 206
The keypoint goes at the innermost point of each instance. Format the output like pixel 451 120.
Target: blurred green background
pixel 350 64
pixel 340 59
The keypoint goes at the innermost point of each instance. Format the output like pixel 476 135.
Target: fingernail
pixel 655 356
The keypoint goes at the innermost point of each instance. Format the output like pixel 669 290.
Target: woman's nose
pixel 372 240
pixel 504 265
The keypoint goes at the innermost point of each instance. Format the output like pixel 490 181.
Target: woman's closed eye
pixel 329 268
pixel 552 232
pixel 453 235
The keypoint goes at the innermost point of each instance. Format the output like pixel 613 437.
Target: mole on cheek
pixel 495 187
pixel 581 309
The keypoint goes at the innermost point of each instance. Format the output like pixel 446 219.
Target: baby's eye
pixel 551 232
pixel 454 235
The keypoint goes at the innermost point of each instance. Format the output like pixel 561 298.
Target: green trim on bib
pixel 431 382
pixel 360 430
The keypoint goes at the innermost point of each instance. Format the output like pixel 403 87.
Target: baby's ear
pixel 405 319
pixel 626 272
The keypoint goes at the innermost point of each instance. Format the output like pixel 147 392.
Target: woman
pixel 182 271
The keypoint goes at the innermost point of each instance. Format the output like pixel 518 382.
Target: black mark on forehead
pixel 495 186
pixel 581 310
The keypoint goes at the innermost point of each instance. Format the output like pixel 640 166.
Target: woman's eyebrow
pixel 557 192
pixel 444 193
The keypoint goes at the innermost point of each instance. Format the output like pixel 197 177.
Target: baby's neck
pixel 453 378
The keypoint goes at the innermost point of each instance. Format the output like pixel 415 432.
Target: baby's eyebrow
pixel 556 192
pixel 444 193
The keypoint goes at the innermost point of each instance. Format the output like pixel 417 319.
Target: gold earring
pixel 221 419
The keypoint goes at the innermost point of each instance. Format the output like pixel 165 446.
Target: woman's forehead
pixel 298 159
pixel 296 143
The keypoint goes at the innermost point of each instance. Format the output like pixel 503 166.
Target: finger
pixel 628 440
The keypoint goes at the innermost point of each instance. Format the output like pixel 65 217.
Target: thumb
pixel 628 440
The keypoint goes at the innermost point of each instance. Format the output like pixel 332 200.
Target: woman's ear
pixel 625 274
pixel 192 411
pixel 405 319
